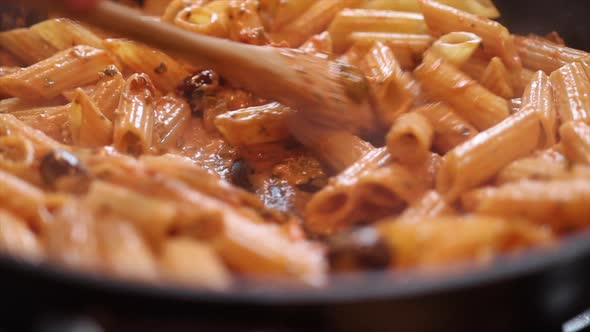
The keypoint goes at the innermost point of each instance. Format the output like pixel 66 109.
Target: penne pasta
pixel 190 262
pixel 497 79
pixel 338 149
pixel 533 168
pixel 315 19
pixel 406 47
pixel 134 117
pixel 26 45
pixel 410 139
pixel 254 125
pixel 431 204
pixel 541 54
pixel 124 252
pixel 107 93
pixel 456 47
pixel 277 13
pixel 393 91
pixel 479 7
pixel 211 19
pixel 10 125
pixel 352 20
pixel 496 40
pixel 450 129
pixel 245 24
pixel 70 239
pixel 571 89
pixel 52 121
pixel 23 199
pixel 17 239
pixel 63 33
pixel 67 69
pixel 175 6
pixel 561 204
pixel 165 72
pixel 88 126
pixel 476 239
pixel 476 161
pixel 320 44
pixel 150 216
pixel 539 95
pixel 469 99
pixel 11 105
pixel 575 141
pixel 172 116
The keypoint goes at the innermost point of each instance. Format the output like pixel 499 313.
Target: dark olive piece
pixel 239 172
pixel 362 249
pixel 59 163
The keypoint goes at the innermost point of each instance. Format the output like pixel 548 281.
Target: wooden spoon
pixel 327 92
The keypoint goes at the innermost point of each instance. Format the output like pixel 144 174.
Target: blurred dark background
pixel 570 18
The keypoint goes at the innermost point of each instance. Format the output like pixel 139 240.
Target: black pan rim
pixel 373 286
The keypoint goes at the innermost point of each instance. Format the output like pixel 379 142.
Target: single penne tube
pixel 338 149
pixel 17 239
pixel 392 91
pixel 107 92
pixel 11 105
pixel 450 129
pixel 410 138
pixel 575 141
pixel 254 125
pixel 211 19
pixel 190 262
pixel 497 79
pixel 456 47
pixel 16 153
pixel 165 72
pixel 246 25
pixel 496 40
pixel 571 88
pixel 477 239
pixel 152 217
pixel 533 168
pixel 134 121
pixel 23 199
pixel 176 6
pixel 333 207
pixel 52 121
pixel 88 126
pixel 539 95
pixel 70 239
pixel 277 13
pixel 26 45
pixel 479 7
pixel 74 67
pixel 561 204
pixel 350 20
pixel 63 33
pixel 314 20
pixel 414 43
pixel 10 125
pixel 431 204
pixel 172 116
pixel 319 44
pixel 539 53
pixel 443 81
pixel 479 159
pixel 124 251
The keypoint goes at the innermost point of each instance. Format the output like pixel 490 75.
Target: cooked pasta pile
pixel 118 158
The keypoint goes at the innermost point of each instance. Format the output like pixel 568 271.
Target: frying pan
pixel 535 291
